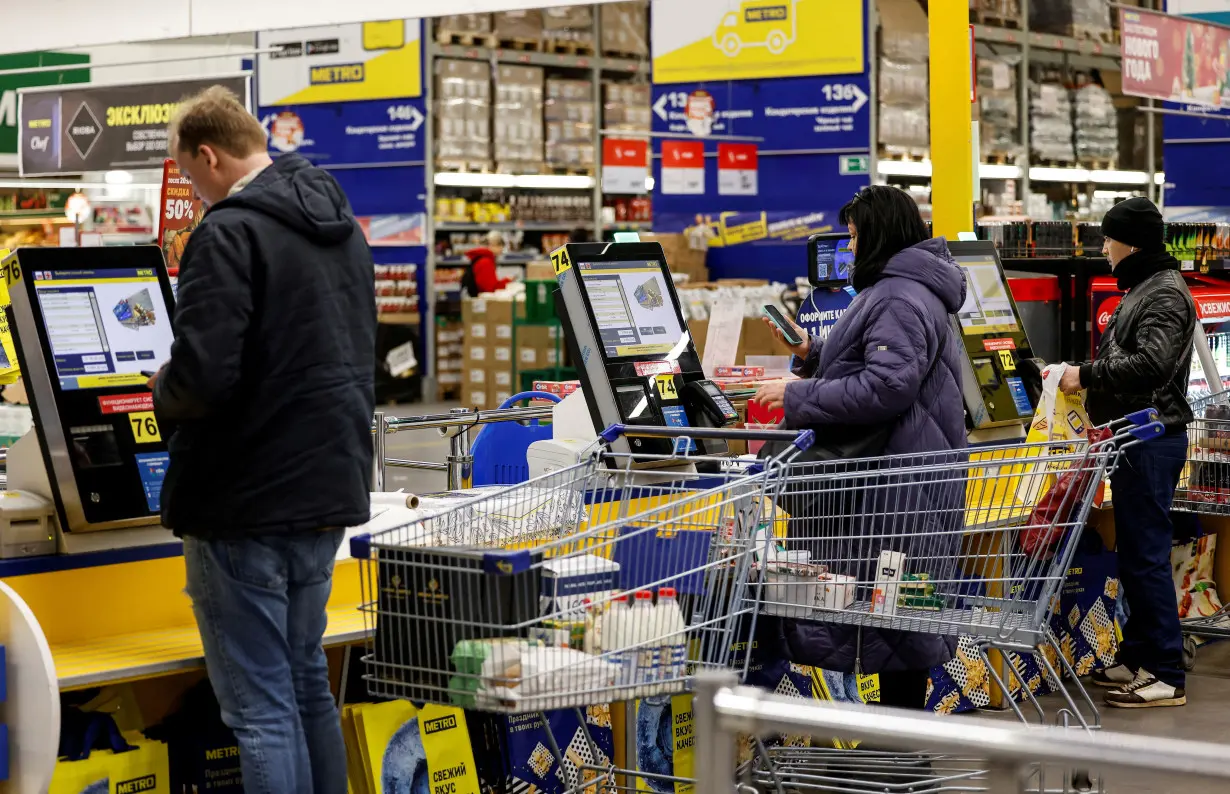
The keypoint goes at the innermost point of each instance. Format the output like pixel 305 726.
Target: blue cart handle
pixel 801 439
pixel 529 395
pixel 1144 416
pixel 1147 432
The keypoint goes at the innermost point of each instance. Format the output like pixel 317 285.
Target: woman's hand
pixel 800 350
pixel 772 395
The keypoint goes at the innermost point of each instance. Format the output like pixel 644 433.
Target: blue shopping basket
pixel 499 449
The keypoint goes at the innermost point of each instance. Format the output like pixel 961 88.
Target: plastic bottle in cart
pixel 674 648
pixel 614 631
pixel 593 627
pixel 643 620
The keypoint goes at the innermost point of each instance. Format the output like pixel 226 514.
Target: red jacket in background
pixel 483 268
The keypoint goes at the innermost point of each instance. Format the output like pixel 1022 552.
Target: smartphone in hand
pixel 791 335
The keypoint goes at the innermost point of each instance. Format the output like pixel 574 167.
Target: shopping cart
pixel 601 582
pixel 972 543
pixel 1204 488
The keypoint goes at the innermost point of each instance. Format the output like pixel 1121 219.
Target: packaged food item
pixel 888 575
pixel 674 653
pixel 643 620
pixel 836 591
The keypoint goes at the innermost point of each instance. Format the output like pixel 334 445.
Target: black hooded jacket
pixel 270 384
pixel 1144 359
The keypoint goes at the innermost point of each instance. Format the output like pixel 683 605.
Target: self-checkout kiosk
pixel 634 355
pixel 1001 377
pixel 89 324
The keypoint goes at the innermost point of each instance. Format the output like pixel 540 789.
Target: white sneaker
pixel 1115 677
pixel 1146 691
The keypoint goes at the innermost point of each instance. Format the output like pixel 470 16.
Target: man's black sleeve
pixel 213 312
pixel 1161 337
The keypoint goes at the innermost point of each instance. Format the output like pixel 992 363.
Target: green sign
pixel 9 83
pixel 854 164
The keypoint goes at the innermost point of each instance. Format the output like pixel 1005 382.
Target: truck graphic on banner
pixel 758 23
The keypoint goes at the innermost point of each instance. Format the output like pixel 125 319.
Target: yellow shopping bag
pixel 90 775
pixel 145 769
pixel 1060 418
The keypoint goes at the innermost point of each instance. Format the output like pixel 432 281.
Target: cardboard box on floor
pixel 681 257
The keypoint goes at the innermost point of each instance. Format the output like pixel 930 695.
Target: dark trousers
pixel 905 690
pixel 1142 489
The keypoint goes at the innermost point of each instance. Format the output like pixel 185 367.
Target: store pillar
pixel 952 197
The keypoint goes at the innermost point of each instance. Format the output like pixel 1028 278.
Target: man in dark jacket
pixel 1142 362
pixel 269 387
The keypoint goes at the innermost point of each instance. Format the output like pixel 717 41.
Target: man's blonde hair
pixel 215 117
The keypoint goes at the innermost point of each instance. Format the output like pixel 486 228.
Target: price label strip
pixel 144 427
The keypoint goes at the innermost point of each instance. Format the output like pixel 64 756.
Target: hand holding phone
pixel 790 334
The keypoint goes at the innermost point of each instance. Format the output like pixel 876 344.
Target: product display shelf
pixel 597 68
pixel 1074 274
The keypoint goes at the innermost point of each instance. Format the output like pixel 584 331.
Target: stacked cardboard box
pixel 518 132
pixel 625 28
pixel 462 24
pixel 495 353
pixel 463 115
pixel 474 390
pixel 569 115
pixel 518 25
pixel 903 88
pixel 450 355
pixel 681 257
pixel 569 28
pixel 626 106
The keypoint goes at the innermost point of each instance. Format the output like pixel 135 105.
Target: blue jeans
pixel 260 606
pixel 1142 489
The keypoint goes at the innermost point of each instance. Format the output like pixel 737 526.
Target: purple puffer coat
pixel 892 357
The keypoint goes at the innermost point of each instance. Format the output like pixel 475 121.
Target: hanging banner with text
pixel 737 169
pixel 340 63
pixel 683 168
pixel 348 133
pixel 180 210
pixel 733 40
pixel 1173 58
pixel 104 128
pixel 625 165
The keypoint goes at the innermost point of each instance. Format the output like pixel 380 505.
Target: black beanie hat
pixel 1136 222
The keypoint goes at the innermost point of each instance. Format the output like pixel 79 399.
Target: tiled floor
pixel 1205 718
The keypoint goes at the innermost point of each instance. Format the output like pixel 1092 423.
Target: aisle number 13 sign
pixel 144 427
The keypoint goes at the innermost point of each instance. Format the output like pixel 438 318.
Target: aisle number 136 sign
pixel 144 427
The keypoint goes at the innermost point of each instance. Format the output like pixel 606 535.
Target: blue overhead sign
pixel 789 113
pixel 375 132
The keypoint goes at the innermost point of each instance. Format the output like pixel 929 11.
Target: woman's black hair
pixel 888 222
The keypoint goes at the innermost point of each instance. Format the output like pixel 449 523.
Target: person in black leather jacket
pixel 1143 361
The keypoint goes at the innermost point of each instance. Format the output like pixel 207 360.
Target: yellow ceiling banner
pixel 340 63
pixel 745 39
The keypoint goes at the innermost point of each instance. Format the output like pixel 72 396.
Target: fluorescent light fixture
pixel 998 171
pixel 1112 177
pixel 118 177
pixel 903 167
pixel 528 181
pixel 1047 174
pixel 1159 178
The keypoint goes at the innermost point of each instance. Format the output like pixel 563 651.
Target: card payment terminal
pixel 634 354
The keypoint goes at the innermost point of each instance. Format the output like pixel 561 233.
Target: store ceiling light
pixel 1040 173
pixel 999 171
pixel 904 167
pixel 118 177
pixel 527 181
pixel 1119 177
pixel 649 183
pixel 51 184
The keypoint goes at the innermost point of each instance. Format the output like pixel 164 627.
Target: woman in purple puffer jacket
pixel 893 360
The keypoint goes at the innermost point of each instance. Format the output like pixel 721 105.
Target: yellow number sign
pixel 666 387
pixel 1007 361
pixel 144 427
pixel 560 260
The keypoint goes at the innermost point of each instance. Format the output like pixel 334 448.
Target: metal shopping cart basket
pixel 1204 488
pixel 593 584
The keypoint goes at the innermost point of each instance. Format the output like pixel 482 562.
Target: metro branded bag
pixel 130 764
pixel 1052 489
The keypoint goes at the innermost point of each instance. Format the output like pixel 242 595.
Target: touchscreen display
pixel 987 307
pixel 833 260
pixel 632 307
pixel 104 326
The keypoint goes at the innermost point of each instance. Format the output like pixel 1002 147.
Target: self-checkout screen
pixel 104 327
pixel 632 307
pixel 987 307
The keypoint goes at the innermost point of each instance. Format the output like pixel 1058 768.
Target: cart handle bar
pixel 800 439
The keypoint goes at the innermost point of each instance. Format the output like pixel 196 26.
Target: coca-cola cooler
pixel 1037 301
pixel 1212 298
